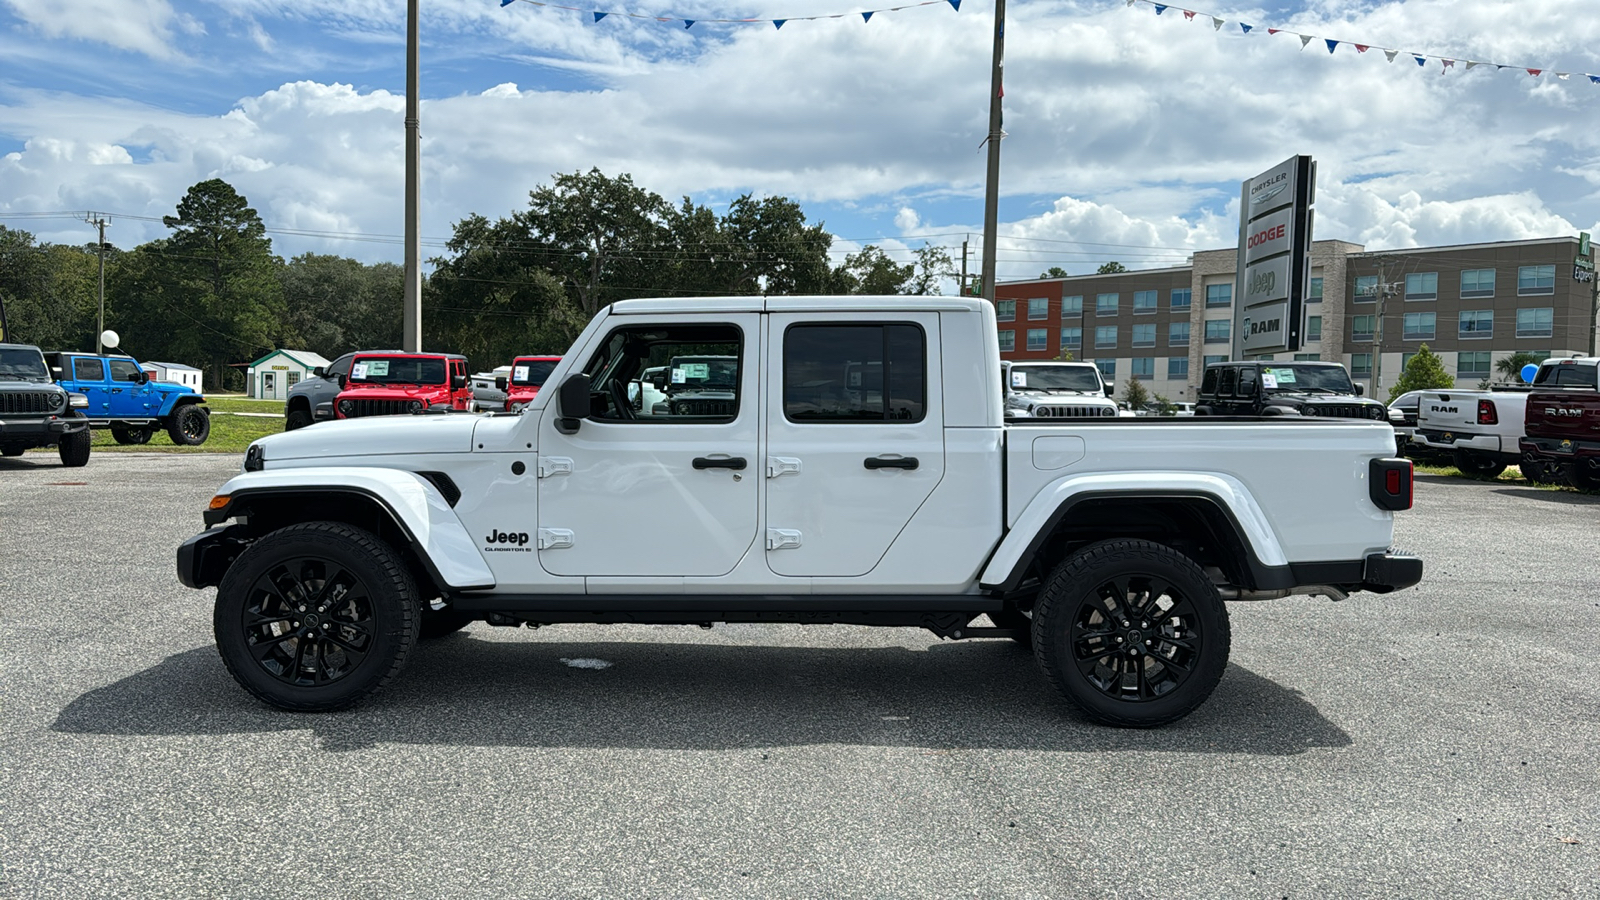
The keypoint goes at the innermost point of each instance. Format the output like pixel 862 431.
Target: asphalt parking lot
pixel 1441 742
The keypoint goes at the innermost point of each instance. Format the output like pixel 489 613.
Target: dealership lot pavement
pixel 1441 742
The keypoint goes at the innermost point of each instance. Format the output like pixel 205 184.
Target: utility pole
pixel 411 319
pixel 100 222
pixel 991 197
pixel 963 289
pixel 1384 290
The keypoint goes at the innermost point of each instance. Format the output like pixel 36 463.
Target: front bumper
pixel 46 428
pixel 204 558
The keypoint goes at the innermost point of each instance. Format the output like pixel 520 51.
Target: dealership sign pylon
pixel 1274 270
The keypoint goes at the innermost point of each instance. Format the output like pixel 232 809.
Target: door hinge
pixel 782 538
pixel 782 465
pixel 554 465
pixel 554 538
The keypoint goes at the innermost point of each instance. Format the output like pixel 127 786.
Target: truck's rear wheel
pixel 1132 632
pixel 316 616
pixel 1584 477
pixel 189 426
pixel 1472 464
pixel 132 435
pixel 74 449
pixel 1534 470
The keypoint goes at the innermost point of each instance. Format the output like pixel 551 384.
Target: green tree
pixel 1054 272
pixel 602 237
pixel 334 304
pixel 1065 355
pixel 1425 372
pixel 50 291
pixel 933 267
pixel 1165 406
pixel 1135 394
pixel 871 271
pixel 1111 268
pixel 1510 367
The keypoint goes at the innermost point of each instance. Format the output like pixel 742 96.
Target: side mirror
pixel 500 384
pixel 343 380
pixel 319 372
pixel 572 403
pixel 659 381
pixel 141 378
pixel 635 395
pixel 1360 391
pixel 1110 389
pixel 458 382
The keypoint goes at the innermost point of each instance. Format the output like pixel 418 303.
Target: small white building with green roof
pixel 271 376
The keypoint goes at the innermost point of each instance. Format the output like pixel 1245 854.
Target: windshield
pixel 18 364
pixel 532 372
pixel 1331 379
pixel 1055 378
pixel 703 373
pixel 397 370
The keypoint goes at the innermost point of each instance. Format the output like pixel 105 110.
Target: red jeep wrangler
pixel 527 376
pixel 386 384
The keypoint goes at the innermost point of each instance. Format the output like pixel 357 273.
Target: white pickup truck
pixel 1479 430
pixel 1109 543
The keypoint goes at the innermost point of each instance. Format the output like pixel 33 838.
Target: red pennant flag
pixel 1535 72
pixel 1272 31
pixel 1189 14
pixel 1362 48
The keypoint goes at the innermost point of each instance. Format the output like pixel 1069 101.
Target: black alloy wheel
pixel 1535 470
pixel 296 420
pixel 316 616
pixel 1583 475
pixel 1482 466
pixel 189 426
pixel 1133 632
pixel 140 435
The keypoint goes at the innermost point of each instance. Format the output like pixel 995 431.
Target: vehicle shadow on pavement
pixel 1567 497
pixel 701 696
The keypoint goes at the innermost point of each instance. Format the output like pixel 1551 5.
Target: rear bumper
pixel 1390 571
pixel 1560 448
pixel 1450 440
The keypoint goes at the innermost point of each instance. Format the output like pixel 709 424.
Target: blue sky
pixel 1128 132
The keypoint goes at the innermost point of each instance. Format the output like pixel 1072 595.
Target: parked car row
pixel 394 382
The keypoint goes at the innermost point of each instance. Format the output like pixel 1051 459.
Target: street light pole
pixel 411 320
pixel 991 196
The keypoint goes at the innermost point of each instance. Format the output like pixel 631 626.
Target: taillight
pixel 1390 483
pixel 1487 414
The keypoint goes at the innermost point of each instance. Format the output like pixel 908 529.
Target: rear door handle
pixel 706 462
pixel 878 462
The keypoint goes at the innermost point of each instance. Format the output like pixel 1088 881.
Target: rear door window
pixel 855 373
pixel 88 369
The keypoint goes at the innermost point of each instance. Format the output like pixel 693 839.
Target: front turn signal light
pixel 219 501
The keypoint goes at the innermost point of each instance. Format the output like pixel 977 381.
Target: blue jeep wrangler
pixel 123 398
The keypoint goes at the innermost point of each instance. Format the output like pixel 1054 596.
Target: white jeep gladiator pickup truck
pixel 1109 544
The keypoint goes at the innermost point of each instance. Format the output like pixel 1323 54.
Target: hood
pixel 378 435
pixel 393 390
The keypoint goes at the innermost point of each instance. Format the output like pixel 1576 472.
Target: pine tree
pixel 1425 372
pixel 1135 395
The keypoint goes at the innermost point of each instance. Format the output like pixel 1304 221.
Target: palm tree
pixel 1510 367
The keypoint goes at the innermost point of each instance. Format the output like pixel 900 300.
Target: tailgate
pixel 1449 411
pixel 1573 414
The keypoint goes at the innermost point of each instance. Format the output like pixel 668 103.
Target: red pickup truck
pixel 386 384
pixel 528 374
pixel 1562 423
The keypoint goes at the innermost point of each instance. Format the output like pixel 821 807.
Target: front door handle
pixel 705 462
pixel 878 462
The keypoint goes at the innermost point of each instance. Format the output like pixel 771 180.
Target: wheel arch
pixel 1209 518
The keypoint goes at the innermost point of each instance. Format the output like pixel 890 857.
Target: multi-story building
pixel 1472 304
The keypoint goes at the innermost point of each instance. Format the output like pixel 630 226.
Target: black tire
pixel 1535 471
pixel 438 623
pixel 131 435
pixel 1016 619
pixel 74 449
pixel 296 419
pixel 1177 651
pixel 1481 466
pixel 1582 477
pixel 265 632
pixel 13 451
pixel 189 426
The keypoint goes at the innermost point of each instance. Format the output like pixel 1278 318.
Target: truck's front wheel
pixel 74 449
pixel 1131 631
pixel 316 616
pixel 189 426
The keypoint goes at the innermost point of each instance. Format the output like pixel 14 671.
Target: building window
pixel 1313 328
pixel 1144 367
pixel 1105 304
pixel 1307 357
pixel 1405 360
pixel 1180 298
pixel 1038 339
pixel 1144 335
pixel 1535 322
pixel 1420 326
pixel 1144 301
pixel 1217 331
pixel 1071 338
pixel 1039 308
pixel 1472 363
pixel 1366 288
pixel 1177 367
pixel 1071 306
pixel 1177 334
pixel 1477 323
pixel 1316 290
pixel 1212 359
pixel 1477 283
pixel 1422 286
pixel 1219 294
pixel 1008 341
pixel 1361 327
pixel 1536 280
pixel 1361 365
pixel 1105 336
pixel 1005 310
pixel 1108 369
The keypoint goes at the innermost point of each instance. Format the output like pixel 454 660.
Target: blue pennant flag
pixel 1594 79
pixel 600 15
pixel 1420 60
pixel 778 23
pixel 866 17
pixel 687 23
pixel 1331 43
pixel 1160 9
pixel 956 4
pixel 1246 27
pixel 506 3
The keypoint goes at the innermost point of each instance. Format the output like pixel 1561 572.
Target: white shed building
pixel 176 373
pixel 271 376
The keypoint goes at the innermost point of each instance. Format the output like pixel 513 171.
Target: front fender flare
pixel 415 505
pixel 1055 502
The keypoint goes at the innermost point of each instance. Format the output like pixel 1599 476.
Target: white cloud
pixel 143 26
pixel 906 219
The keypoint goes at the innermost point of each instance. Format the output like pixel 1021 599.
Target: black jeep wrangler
pixel 37 412
pixel 1267 389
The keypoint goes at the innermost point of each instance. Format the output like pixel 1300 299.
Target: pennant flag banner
pixel 1445 63
pixel 866 16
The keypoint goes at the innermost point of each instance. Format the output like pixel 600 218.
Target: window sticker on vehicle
pixel 378 368
pixel 700 371
pixel 519 373
pixel 1269 381
pixel 1284 376
pixel 358 371
pixel 678 376
pixel 1019 378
